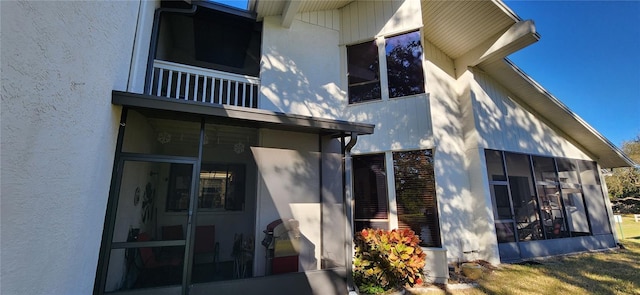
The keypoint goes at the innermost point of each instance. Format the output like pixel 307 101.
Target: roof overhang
pixel 538 100
pixel 471 32
pixel 288 8
pixel 243 116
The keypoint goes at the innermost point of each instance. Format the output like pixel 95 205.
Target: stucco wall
pixel 60 62
pixel 455 201
pixel 289 188
pixel 300 69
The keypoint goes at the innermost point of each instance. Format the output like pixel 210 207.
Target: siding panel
pixel 364 20
pixel 504 124
pixel 400 124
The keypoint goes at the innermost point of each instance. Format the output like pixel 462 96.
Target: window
pixel 544 197
pixel 221 187
pixel 414 188
pixel 364 75
pixel 416 195
pixel 402 59
pixel 370 192
pixel 404 65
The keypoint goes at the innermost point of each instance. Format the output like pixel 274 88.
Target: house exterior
pixel 188 148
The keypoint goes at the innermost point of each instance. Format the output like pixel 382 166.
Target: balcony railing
pixel 186 82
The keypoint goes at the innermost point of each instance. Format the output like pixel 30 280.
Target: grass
pixel 630 229
pixel 608 272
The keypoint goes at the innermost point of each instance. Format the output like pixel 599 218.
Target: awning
pixel 241 116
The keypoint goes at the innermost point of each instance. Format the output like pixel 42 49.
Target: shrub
pixel 385 260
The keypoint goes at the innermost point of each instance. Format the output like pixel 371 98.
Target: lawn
pixel 608 272
pixel 630 229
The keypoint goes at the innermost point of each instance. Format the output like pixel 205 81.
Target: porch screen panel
pixel 523 196
pixel 594 198
pixel 551 203
pixel 416 195
pixel 149 132
pixel 495 169
pixel 572 197
pixel 147 245
pixel 370 191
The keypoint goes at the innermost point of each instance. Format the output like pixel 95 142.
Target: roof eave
pixel 607 154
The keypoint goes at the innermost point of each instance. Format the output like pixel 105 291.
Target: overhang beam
pixel 289 12
pixel 518 36
pixel 241 116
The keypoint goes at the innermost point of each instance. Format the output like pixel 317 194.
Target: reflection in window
pixel 363 72
pixel 221 187
pixel 416 195
pixel 404 65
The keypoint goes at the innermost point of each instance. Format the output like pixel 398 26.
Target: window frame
pixel 382 65
pixel 392 205
pixel 546 179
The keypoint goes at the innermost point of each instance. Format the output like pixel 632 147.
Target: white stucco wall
pixel 289 188
pixel 300 69
pixel 60 62
pixel 455 200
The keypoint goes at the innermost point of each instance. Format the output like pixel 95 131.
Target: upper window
pixel 403 60
pixel 364 75
pixel 404 65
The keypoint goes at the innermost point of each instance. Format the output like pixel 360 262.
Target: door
pixel 148 242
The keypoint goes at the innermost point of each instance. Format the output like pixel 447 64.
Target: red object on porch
pixel 205 239
pixel 284 264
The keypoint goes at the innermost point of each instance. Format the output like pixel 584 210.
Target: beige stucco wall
pixel 60 62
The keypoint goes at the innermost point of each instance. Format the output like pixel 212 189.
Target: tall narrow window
pixel 370 192
pixel 551 203
pixel 573 199
pixel 404 65
pixel 416 195
pixel 523 196
pixel 502 212
pixel 595 199
pixel 363 72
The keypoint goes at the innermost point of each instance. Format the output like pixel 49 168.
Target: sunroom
pixel 207 197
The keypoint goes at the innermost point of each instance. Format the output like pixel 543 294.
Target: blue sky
pixel 588 57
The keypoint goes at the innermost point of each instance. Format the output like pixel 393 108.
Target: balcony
pixel 179 81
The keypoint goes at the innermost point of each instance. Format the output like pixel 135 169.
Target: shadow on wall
pixel 289 189
pixel 456 203
pixel 503 124
pixel 301 83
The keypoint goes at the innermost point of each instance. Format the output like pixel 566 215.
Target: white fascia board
pixel 518 36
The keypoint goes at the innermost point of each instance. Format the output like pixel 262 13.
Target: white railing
pixel 187 82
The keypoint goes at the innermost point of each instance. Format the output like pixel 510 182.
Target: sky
pixel 588 57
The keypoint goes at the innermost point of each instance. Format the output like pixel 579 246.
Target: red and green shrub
pixel 386 260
